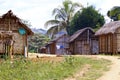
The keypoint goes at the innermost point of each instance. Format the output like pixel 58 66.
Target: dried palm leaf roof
pixel 108 28
pixel 79 32
pixel 10 15
pixel 54 40
pixel 59 37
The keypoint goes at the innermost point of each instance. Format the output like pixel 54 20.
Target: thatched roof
pixel 79 32
pixel 10 15
pixel 54 40
pixel 57 38
pixel 108 28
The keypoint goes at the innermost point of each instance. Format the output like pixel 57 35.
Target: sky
pixel 37 12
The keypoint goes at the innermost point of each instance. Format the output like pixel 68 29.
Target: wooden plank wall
pixel 82 47
pixel 118 42
pixel 107 44
pixel 62 41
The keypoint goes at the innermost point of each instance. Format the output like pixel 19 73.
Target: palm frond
pixel 60 17
pixel 74 6
pixel 66 4
pixel 51 22
pixel 77 5
pixel 63 15
pixel 57 28
pixel 60 13
pixel 63 24
pixel 63 10
pixel 55 10
pixel 52 31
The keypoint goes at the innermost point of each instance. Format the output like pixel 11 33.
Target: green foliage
pixel 87 17
pixel 63 15
pixel 114 13
pixel 36 42
pixel 23 69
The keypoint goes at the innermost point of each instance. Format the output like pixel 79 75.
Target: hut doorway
pixel 95 47
pixel 6 44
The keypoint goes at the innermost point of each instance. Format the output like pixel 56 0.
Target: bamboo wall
pixel 82 47
pixel 62 41
pixel 19 43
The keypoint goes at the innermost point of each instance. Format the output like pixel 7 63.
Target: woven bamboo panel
pixel 19 43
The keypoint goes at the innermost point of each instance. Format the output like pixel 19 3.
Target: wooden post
pixel 99 39
pixel 106 36
pixel 11 48
pixel 114 41
pixel 111 36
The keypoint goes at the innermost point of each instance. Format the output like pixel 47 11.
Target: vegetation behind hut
pixel 87 17
pixel 36 41
pixel 114 13
pixel 63 16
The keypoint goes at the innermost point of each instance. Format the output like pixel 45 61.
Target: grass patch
pixel 24 69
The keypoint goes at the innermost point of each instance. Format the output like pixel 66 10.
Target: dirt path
pixel 114 72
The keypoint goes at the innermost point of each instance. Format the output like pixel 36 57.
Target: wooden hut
pixel 13 35
pixel 109 38
pixel 42 50
pixel 83 42
pixel 58 45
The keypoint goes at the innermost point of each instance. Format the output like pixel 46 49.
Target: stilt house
pixel 84 42
pixel 58 45
pixel 13 35
pixel 109 38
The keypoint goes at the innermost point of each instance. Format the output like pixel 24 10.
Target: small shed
pixel 13 35
pixel 109 38
pixel 58 45
pixel 42 50
pixel 84 42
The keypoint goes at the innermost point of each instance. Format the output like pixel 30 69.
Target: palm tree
pixel 63 16
pixel 114 13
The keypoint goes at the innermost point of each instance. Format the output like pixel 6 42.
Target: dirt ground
pixel 44 57
pixel 112 74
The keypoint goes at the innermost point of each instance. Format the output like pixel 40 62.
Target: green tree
pixel 88 17
pixel 63 16
pixel 37 41
pixel 114 13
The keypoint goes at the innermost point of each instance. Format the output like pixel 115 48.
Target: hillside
pixel 39 31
